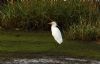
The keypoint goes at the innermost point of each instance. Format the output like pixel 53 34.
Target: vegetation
pixel 81 20
pixel 24 44
pixel 23 23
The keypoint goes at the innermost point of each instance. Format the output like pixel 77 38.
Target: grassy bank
pixel 31 44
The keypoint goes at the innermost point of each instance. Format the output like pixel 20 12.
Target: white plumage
pixel 56 32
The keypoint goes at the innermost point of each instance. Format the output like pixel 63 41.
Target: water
pixel 49 61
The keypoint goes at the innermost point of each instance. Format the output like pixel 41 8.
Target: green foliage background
pixel 79 20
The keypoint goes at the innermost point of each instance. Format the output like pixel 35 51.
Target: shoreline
pixel 50 60
pixel 24 55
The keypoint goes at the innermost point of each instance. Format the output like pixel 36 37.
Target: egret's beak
pixel 49 23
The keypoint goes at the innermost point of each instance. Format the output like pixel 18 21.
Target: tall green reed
pixel 79 19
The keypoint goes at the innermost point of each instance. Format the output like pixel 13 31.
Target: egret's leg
pixel 56 45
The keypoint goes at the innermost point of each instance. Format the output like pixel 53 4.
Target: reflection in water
pixel 50 61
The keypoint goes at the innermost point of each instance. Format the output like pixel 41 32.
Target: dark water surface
pixel 49 61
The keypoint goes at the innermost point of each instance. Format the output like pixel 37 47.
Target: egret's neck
pixel 54 25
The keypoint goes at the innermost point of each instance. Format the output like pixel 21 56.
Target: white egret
pixel 56 32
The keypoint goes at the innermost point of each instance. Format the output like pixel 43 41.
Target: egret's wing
pixel 61 30
pixel 57 35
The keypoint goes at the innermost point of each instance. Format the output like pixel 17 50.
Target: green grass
pixel 80 20
pixel 21 43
